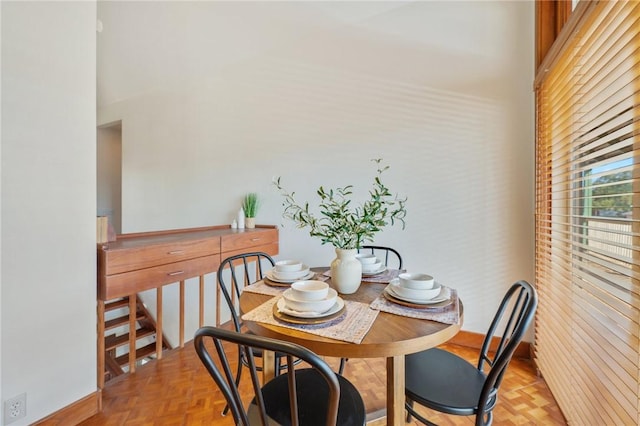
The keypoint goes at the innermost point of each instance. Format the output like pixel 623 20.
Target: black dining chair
pixel 234 273
pixel 304 396
pixel 445 382
pixel 390 256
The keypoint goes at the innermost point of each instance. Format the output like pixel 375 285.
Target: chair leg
pixel 343 361
pixel 484 419
pixel 408 405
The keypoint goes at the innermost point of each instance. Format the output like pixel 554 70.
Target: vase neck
pixel 346 252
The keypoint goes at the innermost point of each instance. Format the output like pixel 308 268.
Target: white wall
pixel 48 204
pixel 310 91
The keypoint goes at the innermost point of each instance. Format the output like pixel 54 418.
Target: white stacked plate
pixel 282 307
pixel 371 265
pixel 370 272
pixel 288 272
pixel 291 305
pixel 436 295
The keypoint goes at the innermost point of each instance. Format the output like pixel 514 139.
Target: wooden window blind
pixel 588 218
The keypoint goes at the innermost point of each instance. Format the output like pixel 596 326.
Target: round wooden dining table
pixel 391 336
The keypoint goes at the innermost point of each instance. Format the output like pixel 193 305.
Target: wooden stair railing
pixel 116 360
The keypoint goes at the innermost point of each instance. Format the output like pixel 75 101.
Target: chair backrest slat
pixel 255 382
pixel 224 379
pixel 513 311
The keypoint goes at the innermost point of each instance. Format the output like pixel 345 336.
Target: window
pixel 588 216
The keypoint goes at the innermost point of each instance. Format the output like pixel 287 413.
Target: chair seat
pixel 443 381
pixel 313 395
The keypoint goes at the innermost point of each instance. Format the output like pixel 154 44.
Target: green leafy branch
pixel 340 223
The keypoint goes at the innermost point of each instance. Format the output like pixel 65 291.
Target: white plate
pixel 290 275
pixel 379 271
pixel 444 295
pixel 270 276
pixel 414 294
pixel 321 306
pixel 335 308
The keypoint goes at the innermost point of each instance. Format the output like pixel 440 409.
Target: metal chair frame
pixel 514 315
pixel 245 260
pixel 267 408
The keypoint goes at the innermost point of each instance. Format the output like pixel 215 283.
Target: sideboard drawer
pixel 133 259
pixel 249 238
pixel 127 283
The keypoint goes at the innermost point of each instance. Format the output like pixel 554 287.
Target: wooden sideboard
pixel 143 261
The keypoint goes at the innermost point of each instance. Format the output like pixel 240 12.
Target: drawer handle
pixel 171 274
pixel 176 252
pixel 255 239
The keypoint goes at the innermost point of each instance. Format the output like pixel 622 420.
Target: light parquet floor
pixel 177 390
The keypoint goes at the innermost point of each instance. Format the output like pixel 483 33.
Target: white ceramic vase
pixel 346 271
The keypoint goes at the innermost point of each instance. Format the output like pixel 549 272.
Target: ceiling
pixel 149 46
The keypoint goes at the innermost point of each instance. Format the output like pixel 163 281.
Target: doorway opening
pixel 109 173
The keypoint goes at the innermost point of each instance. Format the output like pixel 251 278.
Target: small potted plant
pixel 345 226
pixel 250 207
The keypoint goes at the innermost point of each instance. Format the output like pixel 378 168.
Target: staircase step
pixel 120 321
pixel 145 328
pixel 116 304
pixel 141 353
pixel 113 341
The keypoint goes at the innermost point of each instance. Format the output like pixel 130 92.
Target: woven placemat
pixel 261 288
pixel 351 326
pixel 447 315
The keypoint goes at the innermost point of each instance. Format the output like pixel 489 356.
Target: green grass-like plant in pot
pixel 250 207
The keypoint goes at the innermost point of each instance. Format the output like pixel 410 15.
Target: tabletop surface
pixel 390 335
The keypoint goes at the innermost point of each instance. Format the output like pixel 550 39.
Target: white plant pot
pixel 250 222
pixel 346 271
